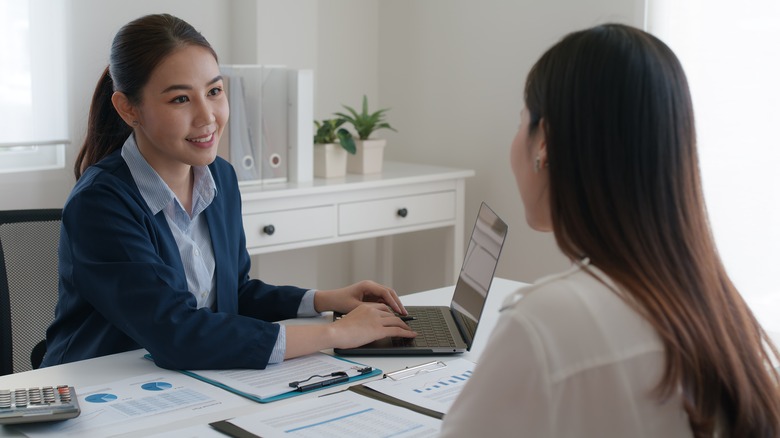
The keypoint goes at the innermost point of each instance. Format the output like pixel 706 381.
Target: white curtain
pixel 33 105
pixel 731 54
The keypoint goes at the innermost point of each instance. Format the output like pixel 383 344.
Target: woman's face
pixel 532 183
pixel 182 113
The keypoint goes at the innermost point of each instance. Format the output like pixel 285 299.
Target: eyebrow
pixel 188 87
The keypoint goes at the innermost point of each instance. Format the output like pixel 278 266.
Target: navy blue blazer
pixel 122 284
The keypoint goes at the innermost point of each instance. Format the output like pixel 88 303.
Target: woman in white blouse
pixel 645 335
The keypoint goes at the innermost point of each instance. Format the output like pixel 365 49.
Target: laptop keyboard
pixel 431 330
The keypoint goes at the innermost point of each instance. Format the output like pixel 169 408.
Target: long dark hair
pixel 137 49
pixel 625 191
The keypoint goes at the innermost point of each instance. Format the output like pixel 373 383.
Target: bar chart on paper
pixel 436 389
pixel 443 385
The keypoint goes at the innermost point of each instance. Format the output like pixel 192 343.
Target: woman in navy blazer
pixel 153 253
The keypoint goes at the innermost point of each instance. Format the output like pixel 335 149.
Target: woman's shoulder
pixel 582 316
pixel 581 291
pixel 578 282
pixel 109 174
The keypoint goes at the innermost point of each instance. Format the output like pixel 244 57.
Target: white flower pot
pixel 330 160
pixel 368 158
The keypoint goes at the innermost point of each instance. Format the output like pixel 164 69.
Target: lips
pixel 204 139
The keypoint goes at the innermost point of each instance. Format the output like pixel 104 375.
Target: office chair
pixel 29 242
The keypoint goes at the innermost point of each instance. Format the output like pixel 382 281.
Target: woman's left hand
pixel 347 298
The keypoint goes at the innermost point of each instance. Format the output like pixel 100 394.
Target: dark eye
pixel 180 99
pixel 216 91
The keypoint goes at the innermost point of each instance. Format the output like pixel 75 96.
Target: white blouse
pixel 568 358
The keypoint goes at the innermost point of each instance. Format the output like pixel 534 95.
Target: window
pixel 729 52
pixel 33 105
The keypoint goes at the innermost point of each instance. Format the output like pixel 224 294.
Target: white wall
pixel 451 70
pixel 91 27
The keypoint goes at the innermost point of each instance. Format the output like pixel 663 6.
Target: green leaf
pixel 365 123
pixel 385 126
pixel 346 141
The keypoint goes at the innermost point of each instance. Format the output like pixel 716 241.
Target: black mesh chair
pixel 29 241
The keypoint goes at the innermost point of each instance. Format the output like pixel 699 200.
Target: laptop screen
pixel 479 266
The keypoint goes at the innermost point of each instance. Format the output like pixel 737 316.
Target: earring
pixel 538 164
pixel 135 122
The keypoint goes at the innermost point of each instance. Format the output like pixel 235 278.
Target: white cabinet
pixel 289 226
pixel 404 197
pixel 397 212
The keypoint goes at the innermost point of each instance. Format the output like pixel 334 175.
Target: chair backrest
pixel 29 242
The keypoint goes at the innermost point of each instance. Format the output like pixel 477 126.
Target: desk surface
pixel 123 365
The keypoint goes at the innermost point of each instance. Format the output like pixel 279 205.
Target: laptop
pixel 450 330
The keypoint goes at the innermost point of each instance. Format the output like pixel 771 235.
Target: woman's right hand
pixel 366 323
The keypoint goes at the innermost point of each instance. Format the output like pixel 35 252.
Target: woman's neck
pixel 180 184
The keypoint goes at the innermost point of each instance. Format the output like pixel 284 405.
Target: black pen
pixel 322 384
pixel 407 318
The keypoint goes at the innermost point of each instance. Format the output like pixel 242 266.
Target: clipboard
pixel 292 392
pixel 398 375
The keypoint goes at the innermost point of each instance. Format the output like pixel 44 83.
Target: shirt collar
pixel 153 189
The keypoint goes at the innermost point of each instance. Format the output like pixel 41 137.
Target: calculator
pixel 32 405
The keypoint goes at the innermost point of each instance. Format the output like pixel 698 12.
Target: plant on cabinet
pixel 370 152
pixel 331 145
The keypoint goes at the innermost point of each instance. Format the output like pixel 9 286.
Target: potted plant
pixel 331 145
pixel 369 155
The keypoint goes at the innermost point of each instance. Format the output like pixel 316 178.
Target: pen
pixel 407 318
pixel 322 384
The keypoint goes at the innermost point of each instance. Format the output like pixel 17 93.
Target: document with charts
pixel 340 414
pixel 146 402
pixel 433 386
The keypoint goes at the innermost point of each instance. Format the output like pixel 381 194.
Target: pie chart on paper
pixel 100 398
pixel 156 386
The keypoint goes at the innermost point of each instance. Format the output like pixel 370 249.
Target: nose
pixel 204 113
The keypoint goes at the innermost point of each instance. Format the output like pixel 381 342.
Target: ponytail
pixel 106 131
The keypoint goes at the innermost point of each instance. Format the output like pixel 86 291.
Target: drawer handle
pixel 402 212
pixel 269 229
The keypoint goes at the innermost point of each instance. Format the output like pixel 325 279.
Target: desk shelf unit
pixel 403 198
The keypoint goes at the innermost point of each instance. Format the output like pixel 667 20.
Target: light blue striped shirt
pixel 192 232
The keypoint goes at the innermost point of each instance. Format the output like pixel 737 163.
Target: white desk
pixel 405 197
pixel 124 365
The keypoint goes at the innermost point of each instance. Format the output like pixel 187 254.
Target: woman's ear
pixel 541 143
pixel 127 111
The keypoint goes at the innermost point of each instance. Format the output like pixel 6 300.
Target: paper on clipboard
pixel 434 385
pixel 272 383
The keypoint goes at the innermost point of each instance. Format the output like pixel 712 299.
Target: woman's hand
pixel 366 323
pixel 346 299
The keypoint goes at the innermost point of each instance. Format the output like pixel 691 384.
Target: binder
pixel 268 137
pixel 242 143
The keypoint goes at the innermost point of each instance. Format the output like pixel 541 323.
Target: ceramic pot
pixel 330 160
pixel 368 158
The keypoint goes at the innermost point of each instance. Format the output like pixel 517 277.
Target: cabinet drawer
pixel 382 214
pixel 289 226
